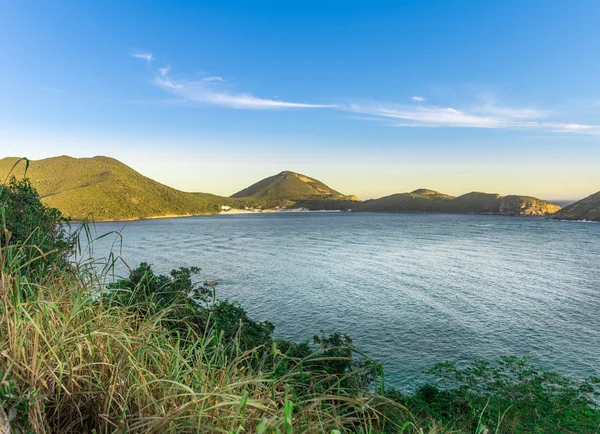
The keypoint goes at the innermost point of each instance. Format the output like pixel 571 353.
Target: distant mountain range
pixel 430 201
pixel 107 189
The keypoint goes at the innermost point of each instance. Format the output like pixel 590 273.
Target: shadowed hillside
pixel 421 200
pixel 585 209
pixel 424 200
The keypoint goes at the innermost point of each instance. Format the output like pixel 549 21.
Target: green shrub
pixel 509 395
pixel 189 304
pixel 33 229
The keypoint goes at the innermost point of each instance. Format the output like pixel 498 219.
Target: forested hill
pixel 294 187
pixel 107 189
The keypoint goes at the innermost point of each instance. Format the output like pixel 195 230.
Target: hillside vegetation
pixel 424 200
pixel 106 189
pixel 293 187
pixel 421 200
pixel 585 209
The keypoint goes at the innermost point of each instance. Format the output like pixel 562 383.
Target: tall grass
pixel 70 363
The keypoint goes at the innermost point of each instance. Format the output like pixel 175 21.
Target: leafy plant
pixel 509 395
pixel 34 229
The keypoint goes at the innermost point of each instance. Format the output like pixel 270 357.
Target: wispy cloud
pixel 210 91
pixel 486 114
pixel 148 57
pixel 574 128
pixel 477 116
pixel 426 116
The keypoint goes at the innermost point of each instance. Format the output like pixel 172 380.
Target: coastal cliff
pixel 585 209
pixel 429 201
pixel 526 206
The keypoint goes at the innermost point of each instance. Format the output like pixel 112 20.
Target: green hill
pixel 486 203
pixel 585 209
pixel 421 200
pixel 294 187
pixel 475 203
pixel 424 200
pixel 107 189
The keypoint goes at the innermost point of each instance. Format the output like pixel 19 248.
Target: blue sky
pixel 372 98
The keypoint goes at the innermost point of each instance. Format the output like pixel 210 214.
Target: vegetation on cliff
pixel 585 209
pixel 423 200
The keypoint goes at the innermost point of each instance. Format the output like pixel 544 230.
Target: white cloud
pixel 510 112
pixel 431 116
pixel 488 116
pixel 148 57
pixel 164 71
pixel 574 128
pixel 211 92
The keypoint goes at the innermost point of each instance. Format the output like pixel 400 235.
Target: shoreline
pixel 136 219
pixel 305 210
pixel 271 211
pixel 231 212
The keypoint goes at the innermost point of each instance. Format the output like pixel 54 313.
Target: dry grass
pixel 68 363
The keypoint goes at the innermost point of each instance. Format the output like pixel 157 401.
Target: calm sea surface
pixel 411 289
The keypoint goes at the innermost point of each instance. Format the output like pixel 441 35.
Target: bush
pixel 189 304
pixel 509 395
pixel 33 229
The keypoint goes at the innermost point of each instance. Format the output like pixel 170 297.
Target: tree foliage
pixel 33 229
pixel 509 395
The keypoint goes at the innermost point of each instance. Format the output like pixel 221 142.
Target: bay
pixel 411 289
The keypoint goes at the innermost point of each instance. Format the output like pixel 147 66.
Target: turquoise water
pixel 411 289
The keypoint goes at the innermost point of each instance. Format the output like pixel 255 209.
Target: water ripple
pixel 411 289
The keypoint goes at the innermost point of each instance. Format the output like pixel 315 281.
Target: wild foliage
pixel 509 395
pixel 38 230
